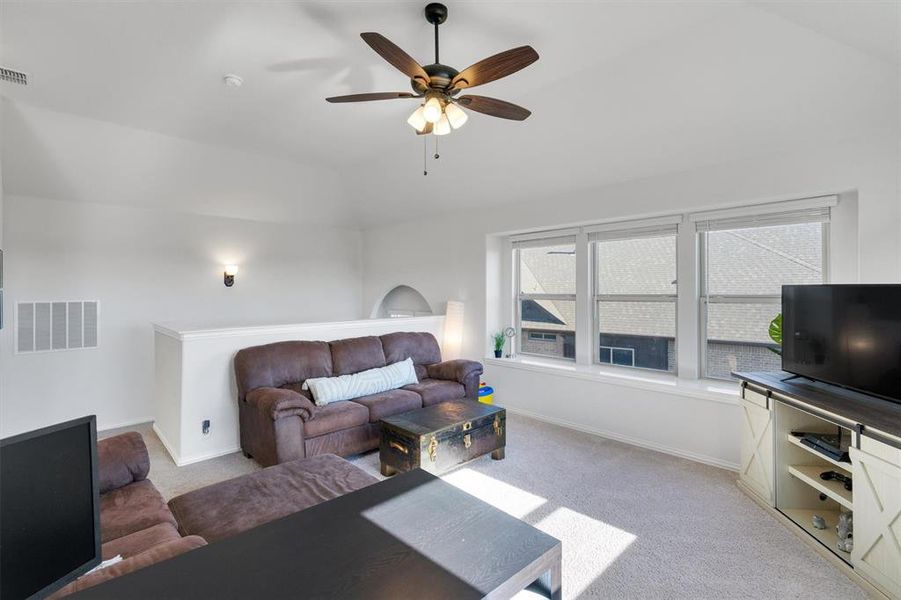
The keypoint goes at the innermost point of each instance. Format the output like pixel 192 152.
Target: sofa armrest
pixel 121 460
pixel 153 555
pixel 279 403
pixel 466 372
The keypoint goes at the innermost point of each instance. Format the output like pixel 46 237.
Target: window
pixel 546 284
pixel 617 356
pixel 550 337
pixel 635 296
pixel 615 286
pixel 744 265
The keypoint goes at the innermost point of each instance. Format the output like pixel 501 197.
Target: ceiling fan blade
pixel 494 107
pixel 372 96
pixel 394 55
pixel 495 67
pixel 426 130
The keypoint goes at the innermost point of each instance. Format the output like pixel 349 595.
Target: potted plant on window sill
pixel 499 340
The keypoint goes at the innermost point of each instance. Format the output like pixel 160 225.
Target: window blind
pixel 630 233
pixel 814 210
pixel 542 240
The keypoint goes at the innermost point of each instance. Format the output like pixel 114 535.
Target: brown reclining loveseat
pixel 280 422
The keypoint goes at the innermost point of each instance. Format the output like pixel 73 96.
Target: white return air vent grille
pixel 49 326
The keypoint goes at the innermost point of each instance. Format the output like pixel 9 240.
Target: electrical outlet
pixel 205 428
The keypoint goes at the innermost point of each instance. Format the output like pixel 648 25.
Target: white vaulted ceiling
pixel 622 90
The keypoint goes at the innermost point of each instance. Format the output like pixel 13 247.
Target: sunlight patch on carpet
pixel 591 544
pixel 508 498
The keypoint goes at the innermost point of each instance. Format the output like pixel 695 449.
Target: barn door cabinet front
pixel 877 514
pixel 757 465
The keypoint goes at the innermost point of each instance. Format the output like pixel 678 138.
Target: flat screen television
pixel 846 335
pixel 49 508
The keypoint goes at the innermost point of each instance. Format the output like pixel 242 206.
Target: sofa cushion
pixel 421 347
pixel 137 542
pixel 132 508
pixel 298 387
pixel 227 508
pixel 389 403
pixel 121 460
pixel 346 442
pixel 274 365
pixel 151 556
pixel 356 354
pixel 434 391
pixel 335 417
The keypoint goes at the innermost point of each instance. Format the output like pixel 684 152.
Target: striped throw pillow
pixel 364 383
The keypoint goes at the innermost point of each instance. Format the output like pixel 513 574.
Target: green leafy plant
pixel 499 340
pixel 775 332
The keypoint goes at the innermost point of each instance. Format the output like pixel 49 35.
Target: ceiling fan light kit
pixel 438 85
pixel 456 115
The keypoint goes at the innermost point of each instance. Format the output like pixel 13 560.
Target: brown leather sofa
pixel 280 422
pixel 135 521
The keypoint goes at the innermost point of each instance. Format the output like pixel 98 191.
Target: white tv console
pixel 783 475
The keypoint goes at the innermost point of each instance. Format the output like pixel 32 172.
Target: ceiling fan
pixel 439 85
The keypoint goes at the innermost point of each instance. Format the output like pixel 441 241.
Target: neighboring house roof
pixel 533 312
pixel 747 262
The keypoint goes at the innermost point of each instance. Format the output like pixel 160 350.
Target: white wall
pixel 145 266
pixel 144 223
pixel 444 257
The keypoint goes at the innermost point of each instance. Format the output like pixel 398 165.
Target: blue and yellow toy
pixel 486 393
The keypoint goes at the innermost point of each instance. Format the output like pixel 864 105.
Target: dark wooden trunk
pixel 480 430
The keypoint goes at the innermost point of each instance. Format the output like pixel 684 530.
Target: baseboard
pixel 143 421
pixel 203 457
pixel 610 435
pixel 172 453
pixel 181 462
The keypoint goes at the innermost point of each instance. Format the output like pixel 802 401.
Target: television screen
pixel 49 508
pixel 848 335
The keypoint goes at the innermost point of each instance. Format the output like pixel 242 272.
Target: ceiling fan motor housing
pixel 440 76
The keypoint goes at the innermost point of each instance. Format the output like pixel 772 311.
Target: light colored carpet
pixel 634 523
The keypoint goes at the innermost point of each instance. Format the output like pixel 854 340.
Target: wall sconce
pixel 230 272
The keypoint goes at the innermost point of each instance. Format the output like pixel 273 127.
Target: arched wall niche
pixel 401 301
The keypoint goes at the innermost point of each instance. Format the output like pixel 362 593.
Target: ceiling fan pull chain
pixel 425 155
pixel 436 148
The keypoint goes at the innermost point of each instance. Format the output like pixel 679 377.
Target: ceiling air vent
pixel 13 76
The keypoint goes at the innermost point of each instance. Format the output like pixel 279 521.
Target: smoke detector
pixel 232 81
pixel 13 76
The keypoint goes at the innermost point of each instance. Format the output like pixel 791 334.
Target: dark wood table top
pixel 869 411
pixel 430 419
pixel 411 536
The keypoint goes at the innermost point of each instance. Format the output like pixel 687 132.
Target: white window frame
pixel 634 230
pixel 706 299
pixel 539 240
pixel 691 264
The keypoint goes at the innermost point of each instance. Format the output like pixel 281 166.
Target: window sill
pixel 705 389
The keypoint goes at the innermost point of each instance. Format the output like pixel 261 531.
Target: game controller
pixel 829 475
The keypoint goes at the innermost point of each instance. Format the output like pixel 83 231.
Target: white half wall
pixel 149 266
pixel 195 380
pixel 455 256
